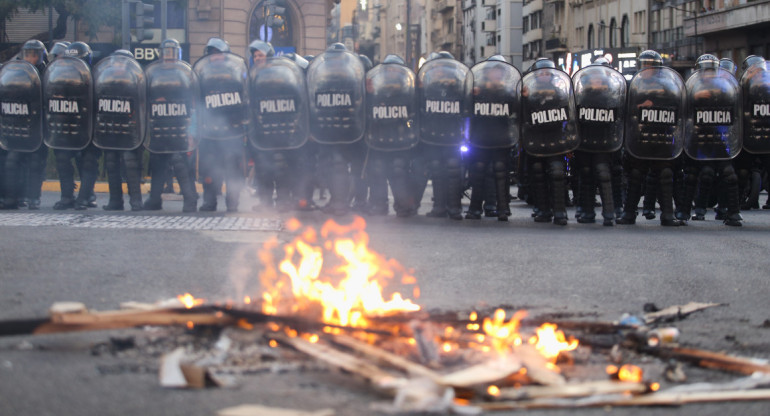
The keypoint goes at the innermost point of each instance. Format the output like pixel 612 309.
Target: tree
pixel 92 14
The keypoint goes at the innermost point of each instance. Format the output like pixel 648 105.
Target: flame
pixel 629 372
pixel 654 386
pixel 189 301
pixel 550 341
pixel 332 273
pixel 493 390
pixel 504 335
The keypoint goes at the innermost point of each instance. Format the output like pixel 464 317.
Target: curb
pixel 102 187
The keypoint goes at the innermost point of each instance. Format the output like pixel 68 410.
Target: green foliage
pixel 92 14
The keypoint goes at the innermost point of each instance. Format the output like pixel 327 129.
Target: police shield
pixel 21 104
pixel 712 128
pixel 67 104
pixel 655 123
pixel 755 88
pixel 224 110
pixel 335 82
pixel 120 100
pixel 444 95
pixel 496 105
pixel 548 113
pixel 279 114
pixel 172 90
pixel 600 98
pixel 391 105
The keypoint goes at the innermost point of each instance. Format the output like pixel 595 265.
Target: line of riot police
pixel 338 122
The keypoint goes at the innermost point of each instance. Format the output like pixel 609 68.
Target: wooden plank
pixel 710 359
pixel 338 359
pixel 677 311
pixel 483 373
pixel 388 357
pixel 652 399
pixel 581 389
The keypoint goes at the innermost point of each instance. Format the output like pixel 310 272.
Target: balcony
pixel 492 3
pixel 444 5
pixel 556 45
pixel 741 16
pixel 447 39
pixel 489 25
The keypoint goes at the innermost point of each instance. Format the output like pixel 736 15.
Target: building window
pixel 525 24
pixel 279 36
pixel 602 28
pixel 590 39
pixel 624 35
pixel 613 33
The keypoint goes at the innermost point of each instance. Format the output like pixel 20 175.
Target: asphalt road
pixel 589 271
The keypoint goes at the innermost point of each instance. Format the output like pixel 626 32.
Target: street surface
pixel 583 271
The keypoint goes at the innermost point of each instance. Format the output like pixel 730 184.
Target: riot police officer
pixel 68 100
pixel 335 81
pixel 392 134
pixel 494 130
pixel 548 133
pixel 120 93
pixel 712 137
pixel 444 86
pixel 25 164
pixel 653 135
pixel 755 89
pixel 600 93
pixel 172 95
pixel 224 110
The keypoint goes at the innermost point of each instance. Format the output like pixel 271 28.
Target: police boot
pixel 186 183
pixel 12 171
pixel 454 189
pixel 339 188
pixel 502 191
pixel 233 195
pixel 439 182
pixel 114 181
pixel 209 196
pixel 733 217
pixel 475 209
pixel 650 195
pixel 403 196
pixel 558 192
pixel 666 189
pixel 587 190
pixel 538 190
pixel 88 173
pixel 605 192
pixel 66 174
pixel 633 195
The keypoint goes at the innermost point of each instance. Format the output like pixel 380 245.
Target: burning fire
pixel 627 372
pixel 332 273
pixel 189 301
pixel 505 335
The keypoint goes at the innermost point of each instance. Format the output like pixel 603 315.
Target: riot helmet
pixel 648 59
pixel 366 61
pixel 336 47
pixel 707 60
pixel 394 59
pixel 728 65
pixel 498 57
pixel 80 50
pixel 123 52
pixel 445 55
pixel 58 49
pixel 259 51
pixel 752 60
pixel 34 52
pixel 309 58
pixel 432 56
pixel 170 50
pixel 541 63
pixel 300 61
pixel 216 45
pixel 601 61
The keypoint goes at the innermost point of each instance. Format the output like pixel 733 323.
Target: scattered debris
pixel 257 410
pixel 677 312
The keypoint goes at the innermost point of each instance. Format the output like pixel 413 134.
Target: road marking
pixel 144 222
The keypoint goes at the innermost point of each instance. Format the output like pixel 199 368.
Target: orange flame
pixel 629 372
pixel 333 271
pixel 189 301
pixel 504 335
pixel 550 341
